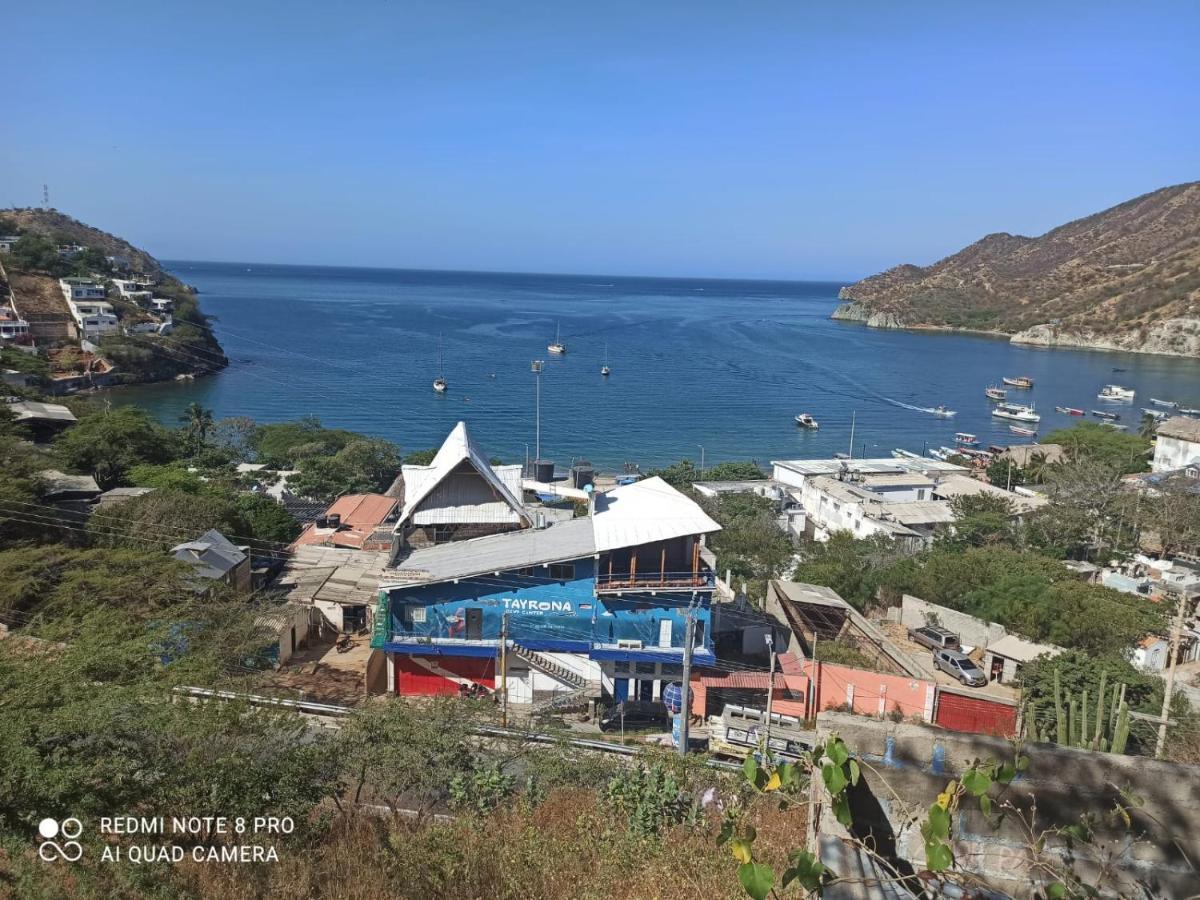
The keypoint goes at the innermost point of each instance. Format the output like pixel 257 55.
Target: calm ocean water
pixel 721 364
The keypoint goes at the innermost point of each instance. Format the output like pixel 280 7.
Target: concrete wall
pixel 973 632
pixel 908 765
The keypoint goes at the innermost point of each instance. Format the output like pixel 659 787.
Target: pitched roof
pixel 458 449
pixel 964 486
pixel 1184 428
pixel 33 410
pixel 333 574
pixel 497 553
pixel 57 482
pixel 644 512
pixel 366 510
pixel 1021 650
pixel 212 554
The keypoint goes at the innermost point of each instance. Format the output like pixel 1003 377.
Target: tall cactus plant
pixel 1107 731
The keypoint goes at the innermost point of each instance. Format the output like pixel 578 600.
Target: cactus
pixel 1084 734
pixel 1100 710
pixel 1060 733
pixel 1121 731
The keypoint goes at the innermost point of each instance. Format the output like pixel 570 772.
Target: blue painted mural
pixel 544 614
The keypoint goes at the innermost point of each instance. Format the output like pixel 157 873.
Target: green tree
pixel 1004 473
pixel 198 422
pixel 420 457
pixel 106 445
pixel 851 566
pixel 750 544
pixel 362 466
pixel 1148 426
pixel 284 444
pixel 1087 441
pixel 981 520
pixel 165 518
pixel 266 518
pixel 171 477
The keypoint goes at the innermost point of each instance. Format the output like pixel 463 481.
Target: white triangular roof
pixel 421 481
pixel 647 511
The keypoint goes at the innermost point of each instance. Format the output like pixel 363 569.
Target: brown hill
pixel 1120 278
pixel 63 229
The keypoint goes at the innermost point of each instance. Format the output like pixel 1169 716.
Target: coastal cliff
pixel 1124 279
pixel 160 332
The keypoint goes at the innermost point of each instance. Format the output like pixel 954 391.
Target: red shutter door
pixel 975 714
pixel 433 675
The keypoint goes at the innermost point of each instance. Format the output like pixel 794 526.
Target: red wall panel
pixel 433 675
pixel 975 715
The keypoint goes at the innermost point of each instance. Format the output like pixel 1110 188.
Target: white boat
pixel 942 453
pixel 1169 404
pixel 439 383
pixel 943 413
pixel 905 454
pixel 1189 412
pixel 557 346
pixel 1024 382
pixel 1027 432
pixel 1116 392
pixel 804 420
pixel 605 370
pixel 1156 414
pixel 1115 426
pixel 1015 412
pixel 994 393
pixel 962 437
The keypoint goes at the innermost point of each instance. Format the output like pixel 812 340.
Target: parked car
pixel 934 638
pixel 959 666
pixel 638 714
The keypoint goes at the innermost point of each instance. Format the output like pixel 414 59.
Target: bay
pixel 719 364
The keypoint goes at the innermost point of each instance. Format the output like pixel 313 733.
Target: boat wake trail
pixel 925 409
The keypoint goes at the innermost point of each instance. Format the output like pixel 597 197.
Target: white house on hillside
pixel 1177 444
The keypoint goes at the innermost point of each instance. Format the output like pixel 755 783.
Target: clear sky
pixel 762 139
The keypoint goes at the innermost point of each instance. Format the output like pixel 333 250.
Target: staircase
pixel 383 621
pixel 560 701
pixel 550 667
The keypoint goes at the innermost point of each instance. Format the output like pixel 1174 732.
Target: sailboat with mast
pixel 439 383
pixel 556 346
pixel 605 370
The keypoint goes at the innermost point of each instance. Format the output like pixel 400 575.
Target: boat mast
pixel 853 416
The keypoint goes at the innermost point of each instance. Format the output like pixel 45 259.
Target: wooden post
pixel 504 670
pixel 695 561
pixel 662 574
pixel 633 567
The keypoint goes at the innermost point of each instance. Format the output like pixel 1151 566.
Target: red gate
pixel 977 715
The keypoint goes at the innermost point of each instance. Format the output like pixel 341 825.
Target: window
pixel 414 615
pixel 644 668
pixel 443 533
pixel 562 572
pixel 525 572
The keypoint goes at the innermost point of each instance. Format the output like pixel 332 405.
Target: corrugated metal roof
pixel 644 512
pixel 1012 647
pixel 333 574
pixel 27 410
pixel 367 510
pixel 963 486
pixel 458 449
pixel 879 466
pixel 497 553
pixel 1183 428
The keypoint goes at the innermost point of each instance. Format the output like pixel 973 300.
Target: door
pixel 997 668
pixel 474 624
pixel 293 638
pixel 664 633
pixel 646 690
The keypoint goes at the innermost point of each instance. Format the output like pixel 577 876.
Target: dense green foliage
pixel 750 545
pixel 1089 441
pixel 108 445
pixel 364 465
pixel 684 473
pixel 164 518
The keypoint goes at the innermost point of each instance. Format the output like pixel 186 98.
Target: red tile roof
pixel 361 515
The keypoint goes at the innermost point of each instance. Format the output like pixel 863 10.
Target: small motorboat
pixel 1103 414
pixel 961 437
pixel 1024 382
pixel 1116 392
pixel 1015 412
pixel 439 384
pixel 1188 411
pixel 943 413
pixel 605 370
pixel 1026 432
pixel 1169 404
pixel 1069 410
pixel 942 453
pixel 905 454
pixel 841 456
pixel 1118 370
pixel 1115 426
pixel 1157 414
pixel 804 420
pixel 994 393
pixel 556 346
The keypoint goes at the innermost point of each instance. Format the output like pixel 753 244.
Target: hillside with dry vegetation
pixel 1125 278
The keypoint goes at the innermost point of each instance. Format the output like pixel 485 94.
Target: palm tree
pixel 197 421
pixel 1149 426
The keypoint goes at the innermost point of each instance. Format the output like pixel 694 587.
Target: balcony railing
pixel 701 579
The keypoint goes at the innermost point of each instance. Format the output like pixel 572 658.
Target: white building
pixel 7 241
pixel 866 497
pixel 1003 660
pixel 81 289
pixel 133 291
pixel 1177 444
pixel 1151 654
pixel 93 318
pixel 12 326
pixel 161 304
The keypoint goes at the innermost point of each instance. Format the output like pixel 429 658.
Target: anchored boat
pixel 1026 432
pixel 804 420
pixel 556 346
pixel 1103 414
pixel 605 370
pixel 1016 413
pixel 1024 382
pixel 994 393
pixel 962 437
pixel 439 383
pixel 1116 392
pixel 1169 404
pixel 1069 410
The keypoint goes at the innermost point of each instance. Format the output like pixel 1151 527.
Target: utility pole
pixel 770 695
pixel 685 710
pixel 1176 633
pixel 504 671
pixel 853 418
pixel 536 368
pixel 701 446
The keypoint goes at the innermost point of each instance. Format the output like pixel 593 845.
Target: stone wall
pixel 973 632
pixel 905 766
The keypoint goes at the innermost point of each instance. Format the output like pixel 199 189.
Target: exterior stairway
pixel 383 622
pixel 550 667
pixel 561 700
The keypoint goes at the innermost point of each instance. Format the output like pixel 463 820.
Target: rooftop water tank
pixel 543 470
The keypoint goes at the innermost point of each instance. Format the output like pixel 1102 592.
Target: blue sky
pixel 791 139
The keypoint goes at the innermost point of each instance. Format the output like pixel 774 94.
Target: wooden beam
pixel 662 574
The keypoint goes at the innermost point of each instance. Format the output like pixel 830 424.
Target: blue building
pixel 595 605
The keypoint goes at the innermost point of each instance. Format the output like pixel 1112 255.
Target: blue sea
pixel 712 367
